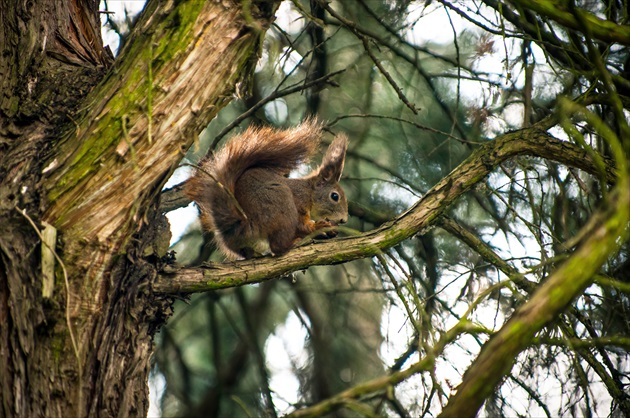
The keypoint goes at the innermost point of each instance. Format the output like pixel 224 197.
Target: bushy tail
pixel 264 147
pixel 281 151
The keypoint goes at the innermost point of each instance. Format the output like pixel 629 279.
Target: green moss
pixel 57 347
pixel 129 94
pixel 14 105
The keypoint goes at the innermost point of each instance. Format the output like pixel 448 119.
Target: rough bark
pixel 86 146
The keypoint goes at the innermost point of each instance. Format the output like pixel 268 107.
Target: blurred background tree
pixel 418 86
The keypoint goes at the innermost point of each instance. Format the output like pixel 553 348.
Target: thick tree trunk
pixel 88 155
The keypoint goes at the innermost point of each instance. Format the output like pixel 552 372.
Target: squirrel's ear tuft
pixel 332 165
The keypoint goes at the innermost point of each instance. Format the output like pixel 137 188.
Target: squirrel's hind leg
pixel 282 241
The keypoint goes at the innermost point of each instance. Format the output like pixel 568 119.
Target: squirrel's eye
pixel 334 196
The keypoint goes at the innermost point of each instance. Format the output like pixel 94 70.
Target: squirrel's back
pixel 214 183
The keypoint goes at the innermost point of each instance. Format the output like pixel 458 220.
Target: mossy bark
pixel 86 143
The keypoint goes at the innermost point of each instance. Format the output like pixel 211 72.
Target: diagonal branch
pixel 531 141
pixel 383 383
pixel 610 229
pixel 601 29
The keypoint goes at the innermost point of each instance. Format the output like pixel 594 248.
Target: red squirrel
pixel 245 197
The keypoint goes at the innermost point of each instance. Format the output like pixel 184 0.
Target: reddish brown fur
pixel 272 209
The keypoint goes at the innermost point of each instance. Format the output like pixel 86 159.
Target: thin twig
pixel 270 98
pixel 221 185
pixel 387 76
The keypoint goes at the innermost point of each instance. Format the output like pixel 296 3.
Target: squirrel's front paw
pixel 330 233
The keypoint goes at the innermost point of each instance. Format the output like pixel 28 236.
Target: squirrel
pixel 246 198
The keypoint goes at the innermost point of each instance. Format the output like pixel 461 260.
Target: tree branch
pixel 531 141
pixel 602 29
pixel 610 230
pixel 382 383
